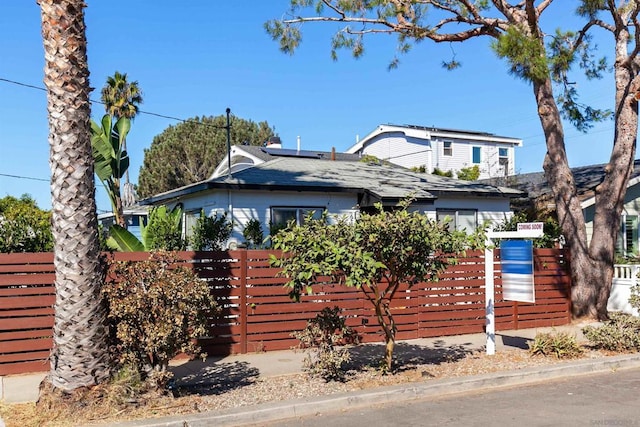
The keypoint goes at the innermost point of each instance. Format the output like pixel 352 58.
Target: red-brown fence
pixel 258 315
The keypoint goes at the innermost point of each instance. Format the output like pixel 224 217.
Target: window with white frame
pixel 503 159
pixel 447 148
pixel 190 221
pixel 459 219
pixel 281 216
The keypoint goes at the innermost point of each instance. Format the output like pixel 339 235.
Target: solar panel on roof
pixel 287 152
pixel 433 128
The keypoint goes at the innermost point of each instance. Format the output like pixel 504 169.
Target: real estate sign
pixel 516 259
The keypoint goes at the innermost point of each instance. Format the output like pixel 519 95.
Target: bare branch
pixel 542 6
pixel 334 8
pixel 362 20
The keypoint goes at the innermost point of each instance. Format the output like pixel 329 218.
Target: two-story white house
pixel 445 149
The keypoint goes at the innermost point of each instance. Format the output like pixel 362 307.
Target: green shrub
pixel 620 333
pixel 23 226
pixel 211 232
pixel 156 311
pixel 371 159
pixel 448 174
pixel 634 298
pixel 559 344
pixel 163 230
pixel 321 339
pixel 252 233
pixel 469 174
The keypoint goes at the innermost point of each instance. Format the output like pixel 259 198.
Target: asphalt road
pixel 610 399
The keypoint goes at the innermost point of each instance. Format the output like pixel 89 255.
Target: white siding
pixel 401 150
pixel 460 156
pixel 410 151
pixel 252 204
pixel 463 158
pixel 494 210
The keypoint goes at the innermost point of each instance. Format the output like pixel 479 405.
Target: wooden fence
pixel 258 315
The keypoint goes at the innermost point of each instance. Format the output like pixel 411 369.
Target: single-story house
pixel 426 147
pixel 587 178
pixel 275 185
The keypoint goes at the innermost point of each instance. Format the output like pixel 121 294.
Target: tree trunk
pixel 79 357
pixel 383 314
pixel 592 263
pixel 568 208
pixel 610 194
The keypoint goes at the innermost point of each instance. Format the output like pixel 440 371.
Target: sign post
pixel 525 231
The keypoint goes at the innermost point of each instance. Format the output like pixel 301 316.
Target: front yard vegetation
pixel 376 254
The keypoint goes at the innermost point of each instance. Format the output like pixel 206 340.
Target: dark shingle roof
pixel 267 153
pixel 535 184
pixel 381 181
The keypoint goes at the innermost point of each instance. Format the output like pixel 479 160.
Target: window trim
pixel 301 211
pixel 447 146
pixel 456 212
pixel 476 149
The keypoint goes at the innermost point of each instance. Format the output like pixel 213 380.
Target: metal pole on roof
pixel 228 144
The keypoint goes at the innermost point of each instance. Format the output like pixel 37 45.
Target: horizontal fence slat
pixel 452 305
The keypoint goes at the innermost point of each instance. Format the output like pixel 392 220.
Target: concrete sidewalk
pixel 237 367
pixel 24 388
pixel 273 363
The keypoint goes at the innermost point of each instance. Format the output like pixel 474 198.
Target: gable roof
pixel 587 178
pixel 263 154
pixel 425 132
pixel 375 182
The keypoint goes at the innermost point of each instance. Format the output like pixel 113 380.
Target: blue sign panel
pixel 517 270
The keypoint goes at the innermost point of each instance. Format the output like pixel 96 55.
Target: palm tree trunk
pixel 79 357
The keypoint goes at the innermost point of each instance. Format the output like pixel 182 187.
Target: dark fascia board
pixel 513 194
pixel 208 185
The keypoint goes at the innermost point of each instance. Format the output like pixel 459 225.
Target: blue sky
pixel 198 57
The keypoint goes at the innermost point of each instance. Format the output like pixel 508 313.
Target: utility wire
pixel 94 101
pixel 24 177
pixel 6 175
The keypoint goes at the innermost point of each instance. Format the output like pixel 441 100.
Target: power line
pixel 101 187
pixel 22 84
pixel 23 177
pixel 94 101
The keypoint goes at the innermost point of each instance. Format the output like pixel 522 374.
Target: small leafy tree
pixel 156 310
pixel 23 226
pixel 376 254
pixel 252 233
pixel 211 232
